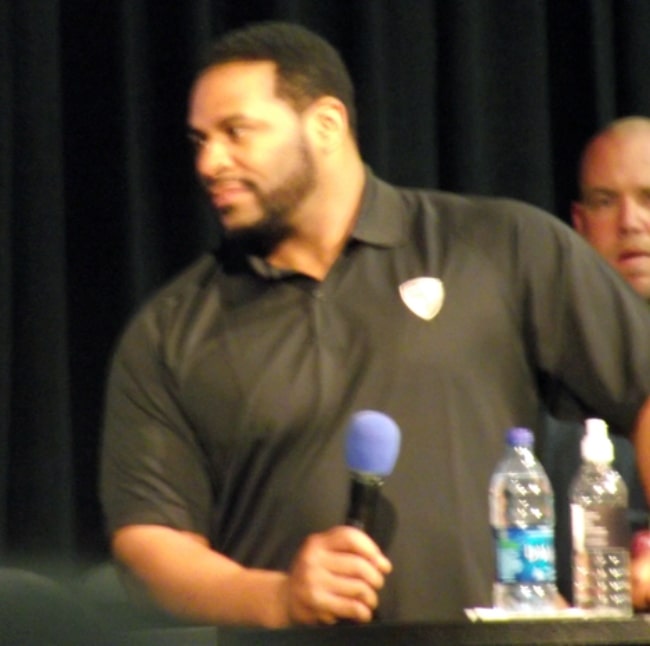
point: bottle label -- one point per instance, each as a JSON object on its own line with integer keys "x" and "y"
{"x": 601, "y": 567}
{"x": 599, "y": 526}
{"x": 525, "y": 555}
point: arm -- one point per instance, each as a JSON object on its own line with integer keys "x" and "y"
{"x": 335, "y": 575}
{"x": 170, "y": 445}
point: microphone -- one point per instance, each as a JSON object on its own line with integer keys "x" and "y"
{"x": 371, "y": 450}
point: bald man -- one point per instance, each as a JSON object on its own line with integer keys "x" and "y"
{"x": 613, "y": 213}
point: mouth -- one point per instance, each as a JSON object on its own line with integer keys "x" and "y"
{"x": 225, "y": 193}
{"x": 631, "y": 254}
{"x": 631, "y": 258}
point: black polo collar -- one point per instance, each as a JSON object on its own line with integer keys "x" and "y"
{"x": 381, "y": 222}
{"x": 381, "y": 218}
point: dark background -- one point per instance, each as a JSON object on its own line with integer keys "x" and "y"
{"x": 98, "y": 203}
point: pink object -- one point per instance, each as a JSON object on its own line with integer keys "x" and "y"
{"x": 640, "y": 543}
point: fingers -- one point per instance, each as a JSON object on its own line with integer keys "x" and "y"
{"x": 329, "y": 606}
{"x": 336, "y": 575}
{"x": 351, "y": 540}
{"x": 349, "y": 571}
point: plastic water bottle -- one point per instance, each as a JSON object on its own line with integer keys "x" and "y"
{"x": 522, "y": 517}
{"x": 599, "y": 527}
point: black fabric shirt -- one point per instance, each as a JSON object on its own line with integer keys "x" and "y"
{"x": 231, "y": 389}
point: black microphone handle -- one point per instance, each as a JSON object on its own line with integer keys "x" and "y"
{"x": 364, "y": 494}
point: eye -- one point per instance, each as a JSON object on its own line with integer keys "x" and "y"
{"x": 236, "y": 132}
{"x": 600, "y": 201}
{"x": 604, "y": 201}
{"x": 197, "y": 141}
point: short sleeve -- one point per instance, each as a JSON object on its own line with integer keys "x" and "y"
{"x": 152, "y": 468}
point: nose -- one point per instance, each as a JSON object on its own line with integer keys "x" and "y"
{"x": 633, "y": 216}
{"x": 212, "y": 158}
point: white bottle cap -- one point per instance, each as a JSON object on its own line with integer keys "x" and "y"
{"x": 596, "y": 445}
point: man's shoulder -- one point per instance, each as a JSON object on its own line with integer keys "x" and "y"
{"x": 196, "y": 276}
{"x": 468, "y": 205}
{"x": 458, "y": 205}
{"x": 188, "y": 286}
{"x": 472, "y": 215}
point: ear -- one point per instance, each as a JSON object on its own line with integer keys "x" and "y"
{"x": 328, "y": 122}
{"x": 578, "y": 217}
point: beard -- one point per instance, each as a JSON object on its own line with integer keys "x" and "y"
{"x": 277, "y": 206}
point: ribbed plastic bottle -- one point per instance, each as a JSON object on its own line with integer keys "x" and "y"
{"x": 599, "y": 528}
{"x": 522, "y": 517}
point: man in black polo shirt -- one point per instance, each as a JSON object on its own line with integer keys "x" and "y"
{"x": 223, "y": 476}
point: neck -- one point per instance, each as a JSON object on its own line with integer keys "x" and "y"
{"x": 323, "y": 224}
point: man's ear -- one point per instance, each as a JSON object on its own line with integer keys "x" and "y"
{"x": 328, "y": 122}
{"x": 578, "y": 216}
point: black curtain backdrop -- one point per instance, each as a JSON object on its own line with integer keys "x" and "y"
{"x": 99, "y": 205}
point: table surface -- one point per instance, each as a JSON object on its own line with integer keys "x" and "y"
{"x": 570, "y": 632}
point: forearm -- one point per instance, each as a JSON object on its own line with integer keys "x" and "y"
{"x": 183, "y": 575}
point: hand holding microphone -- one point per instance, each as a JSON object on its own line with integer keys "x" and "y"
{"x": 337, "y": 574}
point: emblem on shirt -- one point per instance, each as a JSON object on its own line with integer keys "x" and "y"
{"x": 423, "y": 296}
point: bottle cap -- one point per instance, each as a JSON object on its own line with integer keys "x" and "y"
{"x": 520, "y": 436}
{"x": 596, "y": 445}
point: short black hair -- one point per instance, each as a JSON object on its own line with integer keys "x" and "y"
{"x": 308, "y": 67}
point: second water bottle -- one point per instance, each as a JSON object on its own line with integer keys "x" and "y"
{"x": 601, "y": 535}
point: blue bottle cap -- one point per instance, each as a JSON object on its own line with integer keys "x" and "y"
{"x": 520, "y": 436}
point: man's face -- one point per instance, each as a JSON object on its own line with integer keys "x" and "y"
{"x": 252, "y": 152}
{"x": 614, "y": 213}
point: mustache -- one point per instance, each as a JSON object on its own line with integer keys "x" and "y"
{"x": 214, "y": 183}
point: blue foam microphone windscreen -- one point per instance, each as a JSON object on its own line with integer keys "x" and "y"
{"x": 372, "y": 443}
{"x": 371, "y": 450}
